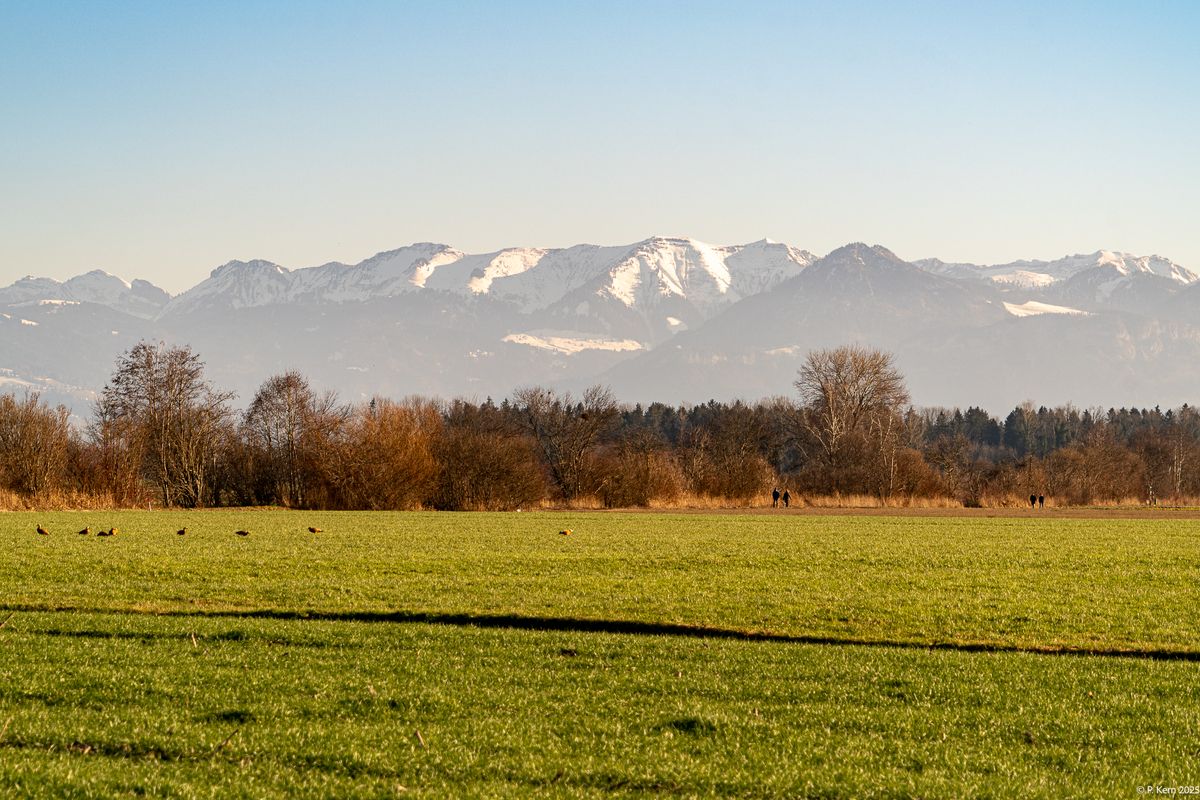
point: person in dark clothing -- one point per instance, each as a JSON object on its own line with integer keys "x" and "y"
{"x": 775, "y": 497}
{"x": 787, "y": 498}
{"x": 1041, "y": 501}
{"x": 1033, "y": 501}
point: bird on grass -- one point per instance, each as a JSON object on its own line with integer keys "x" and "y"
{"x": 42, "y": 531}
{"x": 181, "y": 531}
{"x": 86, "y": 532}
{"x": 565, "y": 532}
{"x": 113, "y": 531}
{"x": 241, "y": 533}
{"x": 103, "y": 532}
{"x": 315, "y": 530}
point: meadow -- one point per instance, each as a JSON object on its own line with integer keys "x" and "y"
{"x": 645, "y": 653}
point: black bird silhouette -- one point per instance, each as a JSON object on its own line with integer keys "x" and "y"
{"x": 315, "y": 530}
{"x": 241, "y": 533}
{"x": 43, "y": 531}
{"x": 85, "y": 532}
{"x": 181, "y": 531}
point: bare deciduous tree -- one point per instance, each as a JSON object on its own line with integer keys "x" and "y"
{"x": 1185, "y": 451}
{"x": 289, "y": 426}
{"x": 113, "y": 455}
{"x": 159, "y": 410}
{"x": 723, "y": 458}
{"x": 567, "y": 431}
{"x": 488, "y": 463}
{"x": 1096, "y": 469}
{"x": 853, "y": 398}
{"x": 35, "y": 442}
{"x": 640, "y": 469}
{"x": 384, "y": 456}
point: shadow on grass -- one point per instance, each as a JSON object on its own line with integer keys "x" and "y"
{"x": 631, "y": 627}
{"x": 147, "y": 638}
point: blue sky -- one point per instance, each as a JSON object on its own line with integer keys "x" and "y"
{"x": 159, "y": 140}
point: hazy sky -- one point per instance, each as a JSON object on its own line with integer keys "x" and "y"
{"x": 161, "y": 139}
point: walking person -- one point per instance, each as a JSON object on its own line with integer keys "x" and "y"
{"x": 775, "y": 497}
{"x": 1041, "y": 501}
{"x": 787, "y": 498}
{"x": 1033, "y": 501}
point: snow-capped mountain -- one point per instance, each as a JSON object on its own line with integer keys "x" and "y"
{"x": 659, "y": 287}
{"x": 140, "y": 298}
{"x": 250, "y": 284}
{"x": 637, "y": 276}
{"x": 584, "y": 297}
{"x": 958, "y": 341}
{"x": 1039, "y": 274}
{"x": 671, "y": 319}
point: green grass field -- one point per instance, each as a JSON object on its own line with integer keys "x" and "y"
{"x": 684, "y": 655}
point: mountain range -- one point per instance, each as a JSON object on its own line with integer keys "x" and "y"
{"x": 669, "y": 319}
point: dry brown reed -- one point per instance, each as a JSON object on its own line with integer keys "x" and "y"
{"x": 58, "y": 500}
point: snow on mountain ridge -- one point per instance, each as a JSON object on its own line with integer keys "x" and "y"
{"x": 637, "y": 276}
{"x": 475, "y": 274}
{"x": 662, "y": 267}
{"x": 98, "y": 280}
{"x": 456, "y": 323}
{"x": 1031, "y": 274}
{"x": 247, "y": 284}
{"x": 506, "y": 264}
{"x": 658, "y": 272}
{"x": 707, "y": 276}
{"x": 141, "y": 298}
{"x": 242, "y": 283}
{"x": 760, "y": 265}
{"x": 1033, "y": 308}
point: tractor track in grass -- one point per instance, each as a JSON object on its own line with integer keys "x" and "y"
{"x": 610, "y": 626}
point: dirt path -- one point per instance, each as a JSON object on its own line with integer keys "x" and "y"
{"x": 1092, "y": 512}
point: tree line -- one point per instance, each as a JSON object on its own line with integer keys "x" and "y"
{"x": 161, "y": 433}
